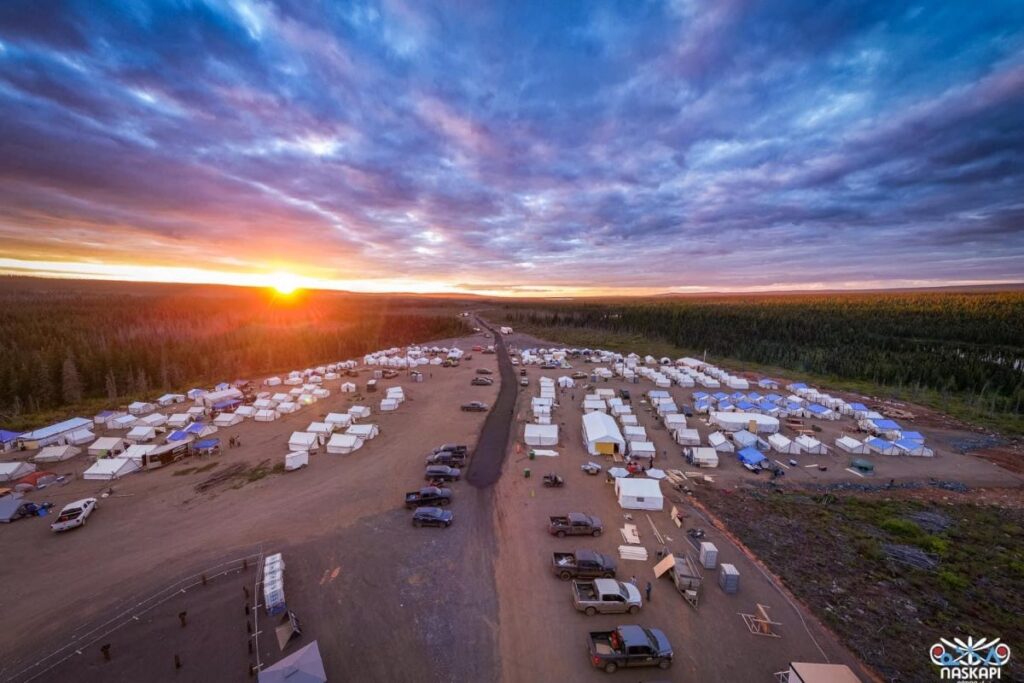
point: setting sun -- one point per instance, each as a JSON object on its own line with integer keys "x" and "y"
{"x": 284, "y": 283}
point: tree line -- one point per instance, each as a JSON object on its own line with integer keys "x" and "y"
{"x": 64, "y": 342}
{"x": 968, "y": 344}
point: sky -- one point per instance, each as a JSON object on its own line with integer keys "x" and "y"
{"x": 519, "y": 148}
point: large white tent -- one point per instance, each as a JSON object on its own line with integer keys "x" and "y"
{"x": 9, "y": 471}
{"x": 541, "y": 435}
{"x": 106, "y": 445}
{"x": 344, "y": 444}
{"x": 601, "y": 434}
{"x": 107, "y": 469}
{"x": 302, "y": 441}
{"x": 851, "y": 445}
{"x": 364, "y": 431}
{"x": 338, "y": 420}
{"x": 56, "y": 453}
{"x": 639, "y": 494}
{"x": 687, "y": 437}
{"x": 782, "y": 444}
{"x": 734, "y": 422}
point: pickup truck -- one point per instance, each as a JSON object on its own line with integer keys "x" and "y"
{"x": 429, "y": 495}
{"x": 575, "y": 524}
{"x": 606, "y": 596}
{"x": 74, "y": 514}
{"x": 629, "y": 646}
{"x": 447, "y": 458}
{"x": 453, "y": 447}
{"x": 582, "y": 564}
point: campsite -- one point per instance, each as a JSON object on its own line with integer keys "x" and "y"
{"x": 350, "y": 463}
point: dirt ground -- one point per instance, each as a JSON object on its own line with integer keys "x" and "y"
{"x": 473, "y": 602}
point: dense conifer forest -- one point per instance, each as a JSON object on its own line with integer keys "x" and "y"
{"x": 66, "y": 342}
{"x": 963, "y": 346}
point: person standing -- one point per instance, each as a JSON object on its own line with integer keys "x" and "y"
{"x": 647, "y": 589}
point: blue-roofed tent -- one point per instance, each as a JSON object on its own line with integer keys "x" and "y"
{"x": 206, "y": 446}
{"x": 886, "y": 425}
{"x": 857, "y": 406}
{"x": 881, "y": 446}
{"x": 698, "y": 395}
{"x": 797, "y": 386}
{"x": 754, "y": 396}
{"x": 820, "y": 411}
{"x": 746, "y": 406}
{"x": 794, "y": 407}
{"x": 767, "y": 383}
{"x": 750, "y": 456}
{"x": 912, "y": 436}
{"x": 767, "y": 407}
{"x": 7, "y": 439}
{"x": 737, "y": 396}
{"x": 774, "y": 398}
{"x": 720, "y": 395}
{"x": 724, "y": 406}
{"x": 226, "y": 404}
{"x": 46, "y": 436}
{"x": 913, "y": 447}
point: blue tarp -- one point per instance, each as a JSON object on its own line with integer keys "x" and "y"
{"x": 746, "y": 406}
{"x": 793, "y": 407}
{"x": 750, "y": 456}
{"x": 719, "y": 395}
{"x": 7, "y": 437}
{"x": 724, "y": 405}
{"x": 798, "y": 385}
{"x": 880, "y": 444}
{"x": 774, "y": 398}
{"x": 226, "y": 403}
{"x": 909, "y": 444}
{"x": 818, "y": 410}
{"x": 767, "y": 383}
{"x": 754, "y": 396}
{"x": 206, "y": 444}
{"x": 181, "y": 434}
{"x": 858, "y": 406}
{"x": 767, "y": 406}
{"x": 658, "y": 393}
{"x": 912, "y": 436}
{"x": 59, "y": 428}
{"x": 886, "y": 424}
{"x": 698, "y": 395}
{"x": 738, "y": 396}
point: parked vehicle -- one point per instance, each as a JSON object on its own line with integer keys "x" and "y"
{"x": 432, "y": 516}
{"x": 624, "y": 394}
{"x": 591, "y": 468}
{"x": 452, "y": 447}
{"x": 474, "y": 407}
{"x": 515, "y": 361}
{"x": 553, "y": 481}
{"x": 481, "y": 381}
{"x": 428, "y": 496}
{"x": 575, "y": 524}
{"x": 447, "y": 458}
{"x": 74, "y": 514}
{"x": 579, "y": 375}
{"x": 442, "y": 473}
{"x": 582, "y": 564}
{"x": 483, "y": 371}
{"x": 629, "y": 646}
{"x": 524, "y": 381}
{"x": 605, "y": 596}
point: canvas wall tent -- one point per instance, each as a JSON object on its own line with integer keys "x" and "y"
{"x": 195, "y": 394}
{"x": 138, "y": 453}
{"x": 721, "y": 444}
{"x": 295, "y": 460}
{"x": 348, "y": 388}
{"x": 323, "y": 429}
{"x": 54, "y": 434}
{"x": 303, "y": 441}
{"x": 686, "y": 437}
{"x": 339, "y": 420}
{"x": 56, "y": 454}
{"x": 80, "y": 437}
{"x": 343, "y": 444}
{"x": 881, "y": 446}
{"x": 743, "y": 439}
{"x": 628, "y": 420}
{"x": 641, "y": 450}
{"x": 851, "y": 445}
{"x": 227, "y": 420}
{"x": 224, "y": 397}
{"x": 594, "y": 405}
{"x": 179, "y": 420}
{"x": 170, "y": 399}
{"x": 622, "y": 410}
{"x": 388, "y": 405}
{"x": 820, "y": 412}
{"x": 540, "y": 435}
{"x": 108, "y": 469}
{"x": 675, "y": 421}
{"x": 601, "y": 435}
{"x": 140, "y": 434}
{"x": 634, "y": 433}
{"x": 152, "y": 420}
{"x": 266, "y": 415}
{"x": 123, "y": 422}
{"x": 733, "y": 422}
{"x": 783, "y": 445}
{"x": 9, "y": 471}
{"x": 7, "y": 440}
{"x": 245, "y": 412}
{"x": 107, "y": 446}
{"x": 196, "y": 430}
{"x": 913, "y": 447}
{"x": 639, "y": 494}
{"x": 703, "y": 457}
{"x": 264, "y": 404}
{"x": 196, "y": 412}
{"x": 364, "y": 431}
{"x": 887, "y": 428}
{"x": 104, "y": 416}
{"x": 542, "y": 411}
{"x": 566, "y": 382}
{"x": 359, "y": 412}
{"x": 287, "y": 407}
{"x": 140, "y": 408}
{"x": 280, "y": 398}
{"x": 810, "y": 445}
{"x": 306, "y": 400}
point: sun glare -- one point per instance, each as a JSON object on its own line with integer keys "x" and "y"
{"x": 284, "y": 283}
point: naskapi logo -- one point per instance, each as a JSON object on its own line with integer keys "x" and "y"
{"x": 971, "y": 660}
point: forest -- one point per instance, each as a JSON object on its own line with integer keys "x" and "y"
{"x": 962, "y": 348}
{"x": 70, "y": 344}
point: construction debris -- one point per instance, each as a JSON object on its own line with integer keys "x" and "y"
{"x": 760, "y": 624}
{"x": 632, "y": 552}
{"x": 630, "y": 534}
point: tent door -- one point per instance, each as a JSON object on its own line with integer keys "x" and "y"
{"x": 607, "y": 448}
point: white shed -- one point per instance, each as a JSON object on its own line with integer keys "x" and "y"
{"x": 541, "y": 435}
{"x": 639, "y": 494}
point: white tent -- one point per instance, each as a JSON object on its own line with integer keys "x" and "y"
{"x": 594, "y": 404}
{"x": 168, "y": 399}
{"x": 153, "y": 420}
{"x": 287, "y": 407}
{"x": 344, "y": 444}
{"x": 196, "y": 411}
{"x": 266, "y": 415}
{"x": 321, "y": 428}
{"x": 639, "y": 494}
{"x": 628, "y": 420}
{"x": 138, "y": 453}
{"x": 675, "y": 421}
{"x": 718, "y": 441}
{"x": 634, "y": 433}
{"x": 295, "y": 460}
{"x": 642, "y": 449}
{"x": 541, "y": 435}
{"x": 348, "y": 388}
{"x": 264, "y": 404}
{"x": 359, "y": 412}
{"x": 339, "y": 420}
{"x": 246, "y": 411}
{"x": 140, "y": 408}
{"x": 733, "y": 422}
{"x": 601, "y": 434}
{"x": 810, "y": 445}
{"x": 122, "y": 422}
{"x": 272, "y": 381}
{"x": 227, "y": 419}
{"x": 364, "y": 431}
{"x": 783, "y": 445}
{"x": 303, "y": 441}
{"x": 56, "y": 454}
{"x": 704, "y": 457}
{"x": 141, "y": 434}
{"x": 388, "y": 405}
{"x": 687, "y": 437}
{"x": 82, "y": 436}
{"x": 106, "y": 445}
{"x": 851, "y": 445}
{"x": 9, "y": 471}
{"x": 179, "y": 420}
{"x": 107, "y": 469}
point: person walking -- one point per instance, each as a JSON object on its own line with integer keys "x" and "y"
{"x": 647, "y": 589}
{"x": 632, "y": 580}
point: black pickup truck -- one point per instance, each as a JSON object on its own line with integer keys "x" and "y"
{"x": 447, "y": 458}
{"x": 429, "y": 495}
{"x": 575, "y": 524}
{"x": 582, "y": 564}
{"x": 629, "y": 646}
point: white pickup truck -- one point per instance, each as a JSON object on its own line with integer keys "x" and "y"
{"x": 605, "y": 596}
{"x": 74, "y": 514}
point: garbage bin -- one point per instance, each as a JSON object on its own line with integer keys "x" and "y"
{"x": 526, "y": 472}
{"x": 533, "y": 456}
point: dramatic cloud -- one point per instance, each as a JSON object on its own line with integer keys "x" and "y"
{"x": 515, "y": 147}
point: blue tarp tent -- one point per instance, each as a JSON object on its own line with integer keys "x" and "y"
{"x": 912, "y": 436}
{"x": 754, "y": 396}
{"x": 886, "y": 425}
{"x": 857, "y": 407}
{"x": 193, "y": 428}
{"x": 750, "y": 456}
{"x": 658, "y": 393}
{"x": 698, "y": 395}
{"x": 226, "y": 404}
{"x": 817, "y": 409}
{"x": 719, "y": 395}
{"x": 797, "y": 386}
{"x": 767, "y": 383}
{"x": 206, "y": 445}
{"x": 746, "y": 406}
{"x": 7, "y": 437}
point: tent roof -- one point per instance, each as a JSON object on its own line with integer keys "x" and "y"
{"x": 598, "y": 425}
{"x": 106, "y": 442}
{"x": 302, "y": 666}
{"x": 644, "y": 488}
{"x": 542, "y": 430}
{"x": 750, "y": 456}
{"x": 886, "y": 424}
{"x": 59, "y": 428}
{"x": 7, "y": 437}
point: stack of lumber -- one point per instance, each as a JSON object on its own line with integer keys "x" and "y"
{"x": 632, "y": 552}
